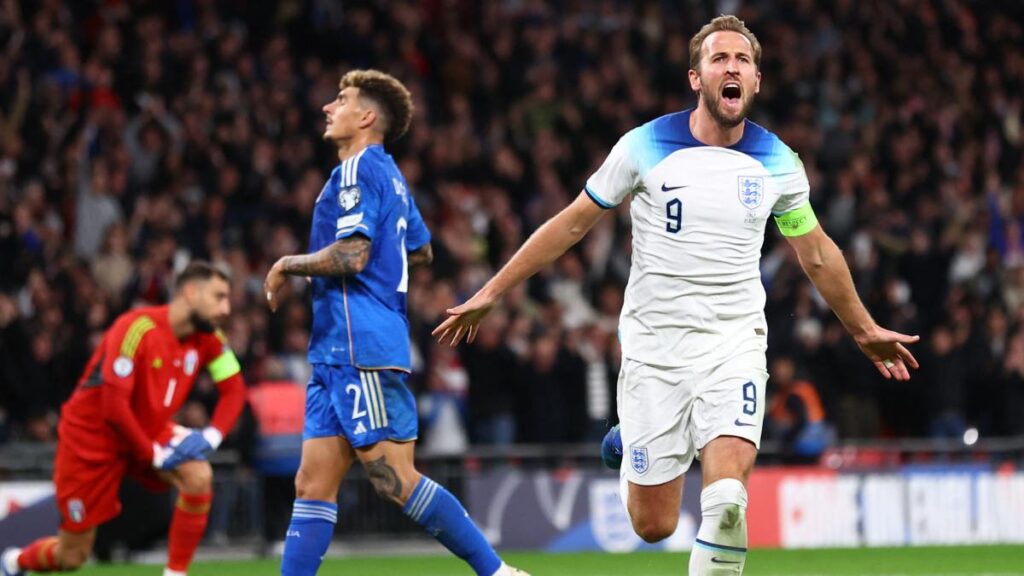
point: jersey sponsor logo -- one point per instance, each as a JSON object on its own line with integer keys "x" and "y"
{"x": 191, "y": 359}
{"x": 638, "y": 459}
{"x": 76, "y": 510}
{"x": 751, "y": 191}
{"x": 123, "y": 366}
{"x": 739, "y": 422}
{"x": 349, "y": 197}
{"x": 666, "y": 188}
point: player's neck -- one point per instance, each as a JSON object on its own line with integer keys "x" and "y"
{"x": 708, "y": 131}
{"x": 352, "y": 146}
{"x": 178, "y": 318}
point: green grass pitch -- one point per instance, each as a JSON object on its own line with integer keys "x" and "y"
{"x": 945, "y": 561}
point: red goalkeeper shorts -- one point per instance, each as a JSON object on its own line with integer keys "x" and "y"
{"x": 87, "y": 490}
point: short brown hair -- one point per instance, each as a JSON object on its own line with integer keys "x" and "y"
{"x": 390, "y": 95}
{"x": 723, "y": 23}
{"x": 201, "y": 270}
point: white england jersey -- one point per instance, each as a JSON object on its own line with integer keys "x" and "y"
{"x": 699, "y": 213}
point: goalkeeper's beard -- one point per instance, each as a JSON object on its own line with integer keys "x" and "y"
{"x": 201, "y": 324}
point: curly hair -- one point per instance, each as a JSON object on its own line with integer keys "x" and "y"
{"x": 723, "y": 23}
{"x": 390, "y": 96}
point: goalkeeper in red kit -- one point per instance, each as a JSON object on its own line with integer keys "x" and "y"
{"x": 119, "y": 422}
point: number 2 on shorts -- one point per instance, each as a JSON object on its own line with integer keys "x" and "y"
{"x": 749, "y": 399}
{"x": 357, "y": 412}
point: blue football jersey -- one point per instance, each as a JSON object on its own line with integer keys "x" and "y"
{"x": 360, "y": 320}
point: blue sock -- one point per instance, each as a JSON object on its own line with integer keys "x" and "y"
{"x": 440, "y": 514}
{"x": 308, "y": 537}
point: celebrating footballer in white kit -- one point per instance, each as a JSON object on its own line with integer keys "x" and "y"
{"x": 703, "y": 184}
{"x": 692, "y": 323}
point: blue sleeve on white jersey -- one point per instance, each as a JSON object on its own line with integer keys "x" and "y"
{"x": 417, "y": 235}
{"x": 358, "y": 199}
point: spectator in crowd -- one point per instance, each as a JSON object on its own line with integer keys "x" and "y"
{"x": 552, "y": 389}
{"x": 948, "y": 374}
{"x": 491, "y": 366}
{"x": 136, "y": 135}
{"x": 795, "y": 414}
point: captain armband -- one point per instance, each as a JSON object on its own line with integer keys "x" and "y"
{"x": 224, "y": 366}
{"x": 797, "y": 222}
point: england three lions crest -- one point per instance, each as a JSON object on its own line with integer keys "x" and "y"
{"x": 751, "y": 191}
{"x": 638, "y": 459}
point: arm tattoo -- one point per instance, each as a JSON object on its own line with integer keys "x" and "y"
{"x": 384, "y": 479}
{"x": 342, "y": 258}
{"x": 421, "y": 256}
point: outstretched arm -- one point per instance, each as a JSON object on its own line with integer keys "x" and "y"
{"x": 345, "y": 257}
{"x": 824, "y": 264}
{"x": 549, "y": 242}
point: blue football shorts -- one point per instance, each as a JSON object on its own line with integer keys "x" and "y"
{"x": 364, "y": 406}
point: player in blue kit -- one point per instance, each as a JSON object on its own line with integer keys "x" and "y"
{"x": 366, "y": 234}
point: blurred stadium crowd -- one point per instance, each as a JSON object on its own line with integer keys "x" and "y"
{"x": 136, "y": 135}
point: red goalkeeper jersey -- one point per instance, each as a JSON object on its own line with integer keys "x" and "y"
{"x": 137, "y": 379}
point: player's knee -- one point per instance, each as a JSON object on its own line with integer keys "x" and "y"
{"x": 72, "y": 558}
{"x": 728, "y": 457}
{"x": 653, "y": 528}
{"x": 310, "y": 486}
{"x": 196, "y": 477}
{"x": 304, "y": 484}
{"x": 652, "y": 532}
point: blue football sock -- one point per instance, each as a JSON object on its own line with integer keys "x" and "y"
{"x": 308, "y": 537}
{"x": 440, "y": 514}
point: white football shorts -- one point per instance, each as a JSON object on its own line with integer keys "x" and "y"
{"x": 667, "y": 415}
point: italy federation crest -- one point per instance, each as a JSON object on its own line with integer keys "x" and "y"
{"x": 76, "y": 510}
{"x": 638, "y": 459}
{"x": 751, "y": 191}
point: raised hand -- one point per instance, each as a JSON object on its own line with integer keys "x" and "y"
{"x": 275, "y": 280}
{"x": 886, "y": 350}
{"x": 464, "y": 320}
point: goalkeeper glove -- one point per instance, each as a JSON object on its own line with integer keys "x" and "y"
{"x": 197, "y": 444}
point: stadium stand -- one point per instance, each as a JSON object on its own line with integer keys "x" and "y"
{"x": 137, "y": 135}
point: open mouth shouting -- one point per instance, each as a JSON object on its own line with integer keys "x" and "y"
{"x": 732, "y": 95}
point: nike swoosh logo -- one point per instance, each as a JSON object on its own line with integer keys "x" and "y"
{"x": 665, "y": 188}
{"x": 718, "y": 560}
{"x": 738, "y": 422}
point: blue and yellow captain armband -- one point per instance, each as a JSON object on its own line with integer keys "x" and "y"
{"x": 797, "y": 222}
